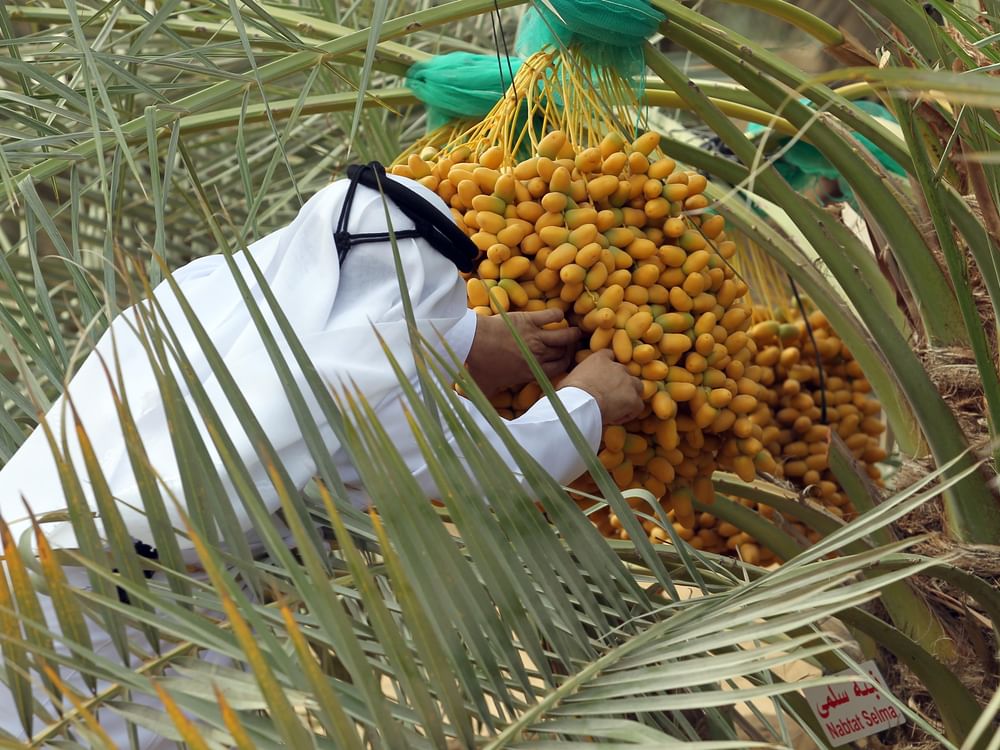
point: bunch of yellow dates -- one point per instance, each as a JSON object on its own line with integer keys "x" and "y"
{"x": 803, "y": 400}
{"x": 622, "y": 241}
{"x": 810, "y": 395}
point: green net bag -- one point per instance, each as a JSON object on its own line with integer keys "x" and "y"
{"x": 460, "y": 85}
{"x": 611, "y": 31}
{"x": 803, "y": 165}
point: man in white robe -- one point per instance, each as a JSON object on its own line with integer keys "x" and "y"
{"x": 335, "y": 309}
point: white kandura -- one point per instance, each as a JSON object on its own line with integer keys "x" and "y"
{"x": 335, "y": 312}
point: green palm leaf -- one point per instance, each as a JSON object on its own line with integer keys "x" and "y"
{"x": 485, "y": 622}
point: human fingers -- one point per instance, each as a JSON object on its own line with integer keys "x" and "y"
{"x": 544, "y": 317}
{"x": 555, "y": 353}
{"x": 557, "y": 366}
{"x": 626, "y": 406}
{"x": 560, "y": 337}
{"x": 627, "y": 390}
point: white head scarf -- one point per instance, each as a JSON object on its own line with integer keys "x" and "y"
{"x": 332, "y": 309}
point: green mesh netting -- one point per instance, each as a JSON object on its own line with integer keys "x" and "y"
{"x": 610, "y": 31}
{"x": 460, "y": 85}
{"x": 803, "y": 165}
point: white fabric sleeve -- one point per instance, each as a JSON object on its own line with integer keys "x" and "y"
{"x": 541, "y": 434}
{"x": 462, "y": 334}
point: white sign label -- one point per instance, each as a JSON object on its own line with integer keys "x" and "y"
{"x": 852, "y": 710}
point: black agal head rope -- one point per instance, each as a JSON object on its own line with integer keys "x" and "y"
{"x": 428, "y": 221}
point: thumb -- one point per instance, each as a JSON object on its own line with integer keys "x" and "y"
{"x": 546, "y": 316}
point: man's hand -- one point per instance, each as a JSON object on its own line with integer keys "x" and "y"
{"x": 618, "y": 394}
{"x": 495, "y": 361}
